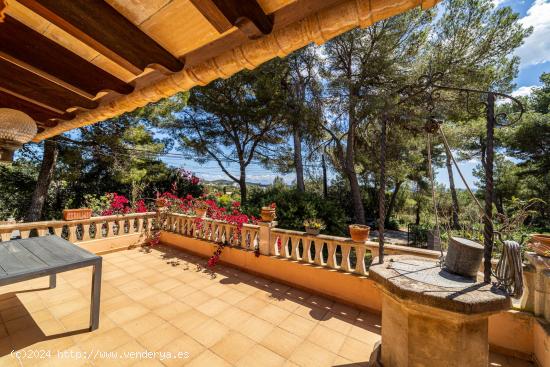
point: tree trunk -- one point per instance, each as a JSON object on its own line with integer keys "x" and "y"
{"x": 45, "y": 176}
{"x": 393, "y": 198}
{"x": 297, "y": 138}
{"x": 454, "y": 197}
{"x": 417, "y": 220}
{"x": 382, "y": 193}
{"x": 242, "y": 185}
{"x": 357, "y": 200}
{"x": 325, "y": 180}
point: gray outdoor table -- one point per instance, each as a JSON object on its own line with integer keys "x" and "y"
{"x": 40, "y": 256}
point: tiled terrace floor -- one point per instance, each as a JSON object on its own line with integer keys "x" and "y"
{"x": 162, "y": 301}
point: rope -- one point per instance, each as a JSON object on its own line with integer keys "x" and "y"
{"x": 509, "y": 270}
{"x": 433, "y": 195}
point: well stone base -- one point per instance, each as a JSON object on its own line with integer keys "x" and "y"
{"x": 417, "y": 335}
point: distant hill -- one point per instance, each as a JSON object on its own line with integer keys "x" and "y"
{"x": 231, "y": 183}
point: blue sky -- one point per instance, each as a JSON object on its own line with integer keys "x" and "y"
{"x": 535, "y": 59}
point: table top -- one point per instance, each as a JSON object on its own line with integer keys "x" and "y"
{"x": 423, "y": 281}
{"x": 37, "y": 256}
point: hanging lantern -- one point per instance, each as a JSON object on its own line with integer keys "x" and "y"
{"x": 16, "y": 129}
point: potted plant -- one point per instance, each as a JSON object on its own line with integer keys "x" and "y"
{"x": 161, "y": 202}
{"x": 77, "y": 214}
{"x": 359, "y": 232}
{"x": 314, "y": 225}
{"x": 268, "y": 213}
{"x": 201, "y": 208}
{"x": 540, "y": 243}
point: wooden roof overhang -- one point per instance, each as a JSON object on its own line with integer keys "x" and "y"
{"x": 71, "y": 63}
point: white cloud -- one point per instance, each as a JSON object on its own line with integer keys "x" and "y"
{"x": 523, "y": 91}
{"x": 536, "y": 49}
{"x": 498, "y": 2}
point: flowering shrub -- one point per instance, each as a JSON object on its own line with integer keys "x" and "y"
{"x": 113, "y": 204}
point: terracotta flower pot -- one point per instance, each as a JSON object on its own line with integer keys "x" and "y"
{"x": 359, "y": 232}
{"x": 161, "y": 202}
{"x": 313, "y": 231}
{"x": 201, "y": 212}
{"x": 540, "y": 243}
{"x": 268, "y": 214}
{"x": 77, "y": 214}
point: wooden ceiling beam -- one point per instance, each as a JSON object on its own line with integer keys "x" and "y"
{"x": 21, "y": 43}
{"x": 23, "y": 82}
{"x": 101, "y": 27}
{"x": 37, "y": 112}
{"x": 247, "y": 15}
{"x": 282, "y": 18}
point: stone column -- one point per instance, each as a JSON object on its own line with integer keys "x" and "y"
{"x": 431, "y": 317}
{"x": 265, "y": 237}
{"x": 539, "y": 292}
{"x": 420, "y": 335}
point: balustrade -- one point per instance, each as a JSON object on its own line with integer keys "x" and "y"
{"x": 82, "y": 230}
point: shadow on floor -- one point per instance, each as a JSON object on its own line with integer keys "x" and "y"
{"x": 321, "y": 308}
{"x": 18, "y": 328}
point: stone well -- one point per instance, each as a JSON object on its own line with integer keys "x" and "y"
{"x": 431, "y": 317}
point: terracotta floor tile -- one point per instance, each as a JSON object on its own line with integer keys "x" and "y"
{"x": 233, "y": 317}
{"x": 127, "y": 313}
{"x": 261, "y": 356}
{"x": 310, "y": 312}
{"x": 273, "y": 314}
{"x": 213, "y": 307}
{"x": 336, "y": 323}
{"x": 232, "y": 296}
{"x": 209, "y": 333}
{"x": 167, "y": 284}
{"x": 282, "y": 342}
{"x": 183, "y": 346}
{"x": 345, "y": 311}
{"x": 159, "y": 336}
{"x": 141, "y": 325}
{"x": 171, "y": 310}
{"x": 106, "y": 341}
{"x": 298, "y": 325}
{"x": 208, "y": 359}
{"x": 326, "y": 338}
{"x": 157, "y": 300}
{"x": 189, "y": 319}
{"x": 255, "y": 328}
{"x": 216, "y": 290}
{"x": 355, "y": 351}
{"x": 233, "y": 347}
{"x": 252, "y": 304}
{"x": 196, "y": 299}
{"x": 181, "y": 292}
{"x": 310, "y": 355}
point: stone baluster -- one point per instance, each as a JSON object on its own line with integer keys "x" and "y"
{"x": 331, "y": 258}
{"x": 295, "y": 252}
{"x": 360, "y": 267}
{"x": 85, "y": 231}
{"x": 24, "y": 233}
{"x": 5, "y": 236}
{"x": 346, "y": 250}
{"x": 139, "y": 225}
{"x": 71, "y": 232}
{"x": 306, "y": 245}
{"x": 318, "y": 259}
{"x": 58, "y": 230}
{"x": 42, "y": 231}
